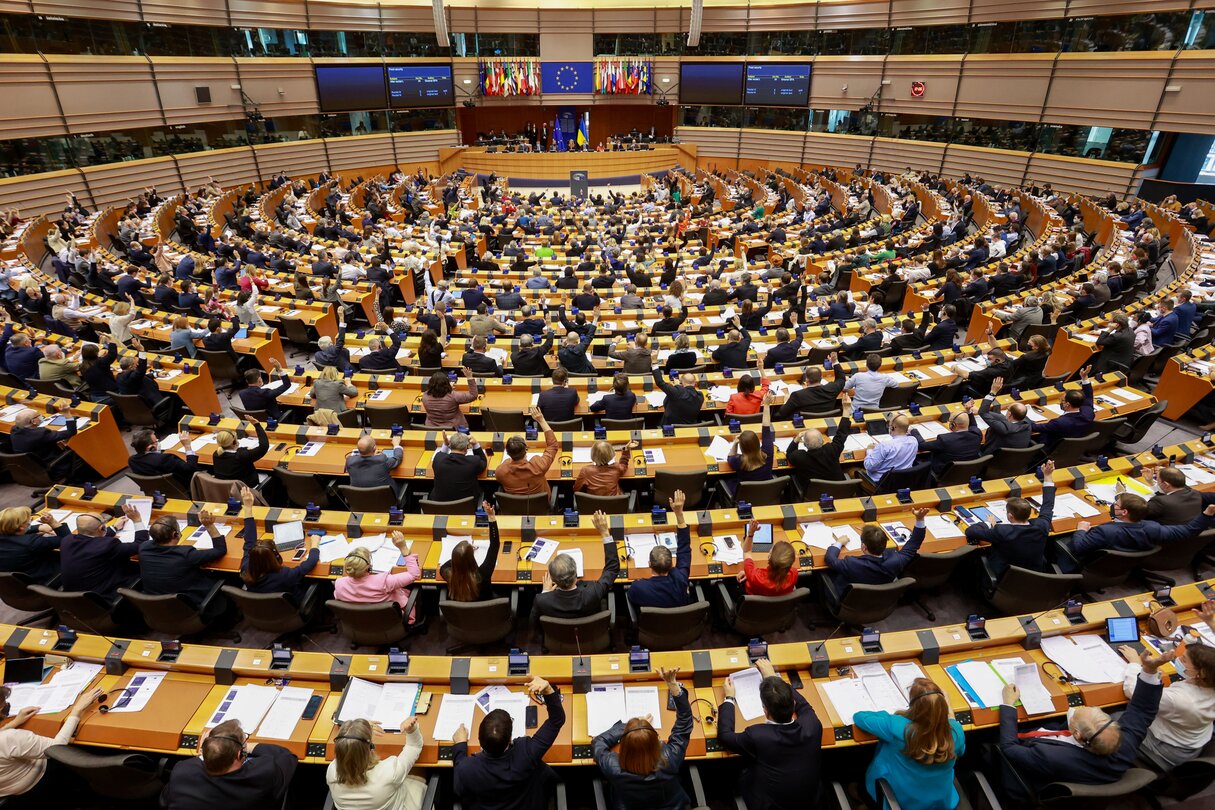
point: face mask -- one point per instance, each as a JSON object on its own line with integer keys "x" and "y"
{"x": 1179, "y": 665}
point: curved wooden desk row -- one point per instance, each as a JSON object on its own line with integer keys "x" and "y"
{"x": 687, "y": 450}
{"x": 199, "y": 682}
{"x": 98, "y": 441}
{"x": 1187, "y": 381}
{"x": 788, "y": 521}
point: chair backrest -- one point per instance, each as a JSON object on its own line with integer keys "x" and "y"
{"x": 302, "y": 489}
{"x": 1177, "y": 554}
{"x": 762, "y": 615}
{"x": 208, "y": 488}
{"x": 82, "y": 611}
{"x": 1144, "y": 422}
{"x": 917, "y": 476}
{"x": 134, "y": 410}
{"x": 866, "y": 604}
{"x": 1023, "y": 591}
{"x": 385, "y": 416}
{"x": 15, "y": 591}
{"x": 746, "y": 418}
{"x": 352, "y": 418}
{"x": 1070, "y": 451}
{"x": 567, "y": 425}
{"x": 295, "y": 330}
{"x": 827, "y": 414}
{"x": 692, "y": 483}
{"x": 672, "y": 628}
{"x": 375, "y": 624}
{"x": 611, "y": 504}
{"x": 1140, "y": 367}
{"x": 960, "y": 472}
{"x": 1013, "y": 461}
{"x": 269, "y": 612}
{"x": 463, "y": 506}
{"x": 1110, "y": 567}
{"x": 589, "y": 634}
{"x": 476, "y": 623}
{"x": 898, "y": 396}
{"x": 368, "y": 499}
{"x": 167, "y": 613}
{"x": 847, "y": 488}
{"x": 221, "y": 364}
{"x": 500, "y": 421}
{"x": 536, "y": 504}
{"x": 247, "y": 416}
{"x": 129, "y": 776}
{"x": 930, "y": 569}
{"x": 624, "y": 424}
{"x": 51, "y": 388}
{"x": 762, "y": 493}
{"x": 166, "y": 484}
{"x": 25, "y": 470}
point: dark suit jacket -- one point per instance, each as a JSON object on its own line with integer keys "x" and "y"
{"x": 558, "y": 404}
{"x": 960, "y": 445}
{"x": 825, "y": 461}
{"x": 178, "y": 569}
{"x": 158, "y": 463}
{"x": 97, "y": 564}
{"x": 1039, "y": 761}
{"x": 1118, "y": 347}
{"x": 867, "y": 569}
{"x": 1178, "y": 506}
{"x": 1001, "y": 432}
{"x": 682, "y": 406}
{"x": 519, "y": 779}
{"x": 1069, "y": 425}
{"x": 822, "y": 397}
{"x": 481, "y": 363}
{"x": 783, "y": 760}
{"x": 260, "y": 782}
{"x": 585, "y": 598}
{"x": 733, "y": 355}
{"x": 457, "y": 476}
{"x": 1020, "y": 545}
{"x": 532, "y": 361}
{"x": 863, "y": 346}
{"x": 34, "y": 554}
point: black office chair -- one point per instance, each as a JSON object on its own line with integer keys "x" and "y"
{"x": 130, "y": 777}
{"x": 380, "y": 417}
{"x": 864, "y": 605}
{"x": 670, "y": 628}
{"x": 462, "y": 506}
{"x": 1013, "y": 461}
{"x": 370, "y": 499}
{"x": 917, "y": 476}
{"x": 15, "y": 591}
{"x": 540, "y": 503}
{"x": 623, "y": 504}
{"x": 960, "y": 472}
{"x": 172, "y": 615}
{"x": 931, "y": 570}
{"x": 303, "y": 489}
{"x": 1022, "y": 591}
{"x": 502, "y": 421}
{"x": 166, "y": 484}
{"x": 275, "y": 612}
{"x": 83, "y": 611}
{"x": 755, "y": 616}
{"x": 377, "y": 625}
{"x": 587, "y": 634}
{"x": 692, "y": 483}
{"x": 479, "y": 624}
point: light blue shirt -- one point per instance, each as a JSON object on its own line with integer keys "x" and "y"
{"x": 182, "y": 340}
{"x": 869, "y": 386}
{"x": 897, "y": 453}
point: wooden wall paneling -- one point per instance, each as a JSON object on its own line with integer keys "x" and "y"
{"x": 831, "y": 149}
{"x": 102, "y": 93}
{"x": 293, "y": 158}
{"x": 262, "y": 80}
{"x": 939, "y": 75}
{"x": 185, "y": 12}
{"x": 29, "y": 108}
{"x": 268, "y": 14}
{"x": 852, "y": 14}
{"x": 861, "y": 75}
{"x": 1087, "y": 8}
{"x": 1078, "y": 175}
{"x": 928, "y": 12}
{"x": 36, "y": 194}
{"x": 893, "y": 155}
{"x": 126, "y": 10}
{"x": 461, "y": 19}
{"x": 711, "y": 142}
{"x": 633, "y": 21}
{"x": 793, "y": 17}
{"x": 1002, "y": 167}
{"x": 1003, "y": 87}
{"x": 564, "y": 21}
{"x": 988, "y": 11}
{"x": 408, "y": 19}
{"x": 497, "y": 20}
{"x": 229, "y": 167}
{"x": 14, "y": 7}
{"x": 724, "y": 18}
{"x": 360, "y": 152}
{"x": 176, "y": 78}
{"x": 767, "y": 144}
{"x": 1191, "y": 109}
{"x": 117, "y": 183}
{"x": 1114, "y": 89}
{"x": 423, "y": 147}
{"x": 338, "y": 16}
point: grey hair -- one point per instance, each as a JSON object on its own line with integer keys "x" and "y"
{"x": 525, "y": 341}
{"x": 869, "y": 323}
{"x": 563, "y": 570}
{"x": 324, "y": 342}
{"x": 459, "y": 442}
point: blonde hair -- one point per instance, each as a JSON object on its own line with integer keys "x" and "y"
{"x": 225, "y": 439}
{"x": 603, "y": 454}
{"x": 330, "y": 373}
{"x": 358, "y": 563}
{"x": 14, "y": 519}
{"x": 322, "y": 417}
{"x": 181, "y": 322}
{"x": 121, "y": 308}
{"x": 354, "y": 752}
{"x": 681, "y": 341}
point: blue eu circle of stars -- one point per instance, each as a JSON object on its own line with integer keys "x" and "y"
{"x": 565, "y": 82}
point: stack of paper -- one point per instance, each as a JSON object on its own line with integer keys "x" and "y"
{"x": 978, "y": 682}
{"x": 848, "y": 697}
{"x": 905, "y": 674}
{"x": 1034, "y": 696}
{"x": 817, "y": 535}
{"x": 247, "y": 703}
{"x": 449, "y": 543}
{"x": 1087, "y": 658}
{"x": 642, "y": 544}
{"x": 1071, "y": 505}
{"x": 942, "y": 528}
{"x": 881, "y": 688}
{"x": 288, "y": 708}
{"x": 388, "y": 704}
{"x": 611, "y": 703}
{"x": 55, "y": 695}
{"x": 334, "y": 547}
{"x": 719, "y": 449}
{"x": 727, "y": 549}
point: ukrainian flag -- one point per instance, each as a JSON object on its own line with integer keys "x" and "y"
{"x": 584, "y": 129}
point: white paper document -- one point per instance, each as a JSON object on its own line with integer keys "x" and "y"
{"x": 454, "y": 711}
{"x": 248, "y": 704}
{"x": 388, "y": 704}
{"x": 727, "y": 549}
{"x": 605, "y": 706}
{"x": 984, "y": 682}
{"x": 284, "y": 715}
{"x": 1034, "y": 696}
{"x": 848, "y": 697}
{"x": 449, "y": 543}
{"x": 719, "y": 449}
{"x": 1071, "y": 505}
{"x": 1087, "y": 658}
{"x": 542, "y": 550}
{"x": 746, "y": 692}
{"x": 138, "y": 692}
{"x": 942, "y": 528}
{"x": 904, "y": 674}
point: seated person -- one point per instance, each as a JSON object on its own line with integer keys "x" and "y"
{"x": 602, "y": 476}
{"x": 467, "y": 580}
{"x": 367, "y": 467}
{"x": 811, "y": 456}
{"x": 167, "y": 567}
{"x": 564, "y": 596}
{"x": 23, "y": 772}
{"x": 149, "y": 460}
{"x": 778, "y": 578}
{"x": 619, "y": 403}
{"x": 94, "y": 559}
{"x": 667, "y": 587}
{"x": 876, "y": 564}
{"x": 961, "y": 443}
{"x": 359, "y": 584}
{"x": 230, "y": 773}
{"x": 235, "y": 463}
{"x": 257, "y": 397}
{"x": 519, "y": 475}
{"x": 1021, "y": 541}
{"x": 262, "y": 569}
{"x": 28, "y": 549}
{"x": 42, "y": 443}
{"x": 1130, "y": 530}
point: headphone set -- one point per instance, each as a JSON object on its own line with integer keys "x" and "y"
{"x": 924, "y": 695}
{"x": 243, "y": 753}
{"x": 364, "y": 741}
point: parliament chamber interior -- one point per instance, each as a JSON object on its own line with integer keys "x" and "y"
{"x": 754, "y": 405}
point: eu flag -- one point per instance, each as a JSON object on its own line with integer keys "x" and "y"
{"x": 567, "y": 77}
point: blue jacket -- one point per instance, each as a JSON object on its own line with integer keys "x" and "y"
{"x": 21, "y": 361}
{"x": 1185, "y": 317}
{"x": 1069, "y": 425}
{"x": 659, "y": 790}
{"x": 869, "y": 569}
{"x": 1120, "y": 535}
{"x": 671, "y": 590}
{"x": 1165, "y": 329}
{"x": 98, "y": 564}
{"x": 939, "y": 336}
{"x": 179, "y": 569}
{"x": 1015, "y": 544}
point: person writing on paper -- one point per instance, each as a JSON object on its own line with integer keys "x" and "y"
{"x": 230, "y": 773}
{"x": 509, "y": 774}
{"x": 1021, "y": 541}
{"x": 667, "y": 586}
{"x": 466, "y": 580}
{"x": 778, "y": 578}
{"x": 1183, "y": 723}
{"x": 23, "y": 762}
{"x": 645, "y": 773}
{"x": 28, "y": 549}
{"x": 1091, "y": 748}
{"x": 876, "y": 564}
{"x": 167, "y": 567}
{"x": 359, "y": 584}
{"x": 360, "y": 780}
{"x": 783, "y": 754}
{"x": 262, "y": 569}
{"x": 564, "y": 596}
{"x": 812, "y": 456}
{"x": 751, "y": 457}
{"x": 917, "y": 749}
{"x": 602, "y": 476}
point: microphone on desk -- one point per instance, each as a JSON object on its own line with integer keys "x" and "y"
{"x": 820, "y": 664}
{"x": 339, "y": 672}
{"x": 1033, "y": 636}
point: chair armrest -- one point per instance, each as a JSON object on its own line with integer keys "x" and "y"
{"x": 329, "y": 801}
{"x": 611, "y": 600}
{"x": 633, "y": 612}
{"x": 887, "y": 795}
{"x": 430, "y": 799}
{"x": 727, "y": 603}
{"x": 723, "y": 495}
{"x": 514, "y": 603}
{"x": 698, "y": 592}
{"x": 632, "y": 501}
{"x": 411, "y": 603}
{"x": 442, "y": 593}
{"x": 311, "y": 594}
{"x": 553, "y": 494}
{"x": 563, "y": 802}
{"x": 211, "y": 595}
{"x": 698, "y": 788}
{"x": 600, "y": 798}
{"x": 841, "y": 796}
{"x": 984, "y": 796}
{"x": 1063, "y": 552}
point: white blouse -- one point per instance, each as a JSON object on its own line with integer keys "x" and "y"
{"x": 1186, "y": 711}
{"x": 389, "y": 785}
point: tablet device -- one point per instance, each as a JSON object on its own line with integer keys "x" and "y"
{"x": 243, "y": 332}
{"x": 1122, "y": 630}
{"x": 24, "y": 670}
{"x": 287, "y": 535}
